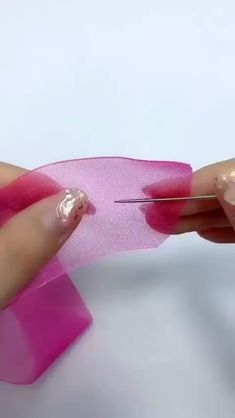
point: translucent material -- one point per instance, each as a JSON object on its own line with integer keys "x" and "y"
{"x": 106, "y": 228}
{"x": 37, "y": 328}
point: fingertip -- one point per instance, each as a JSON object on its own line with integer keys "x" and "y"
{"x": 225, "y": 190}
{"x": 34, "y": 236}
{"x": 218, "y": 236}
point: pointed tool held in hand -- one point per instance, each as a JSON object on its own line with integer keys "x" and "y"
{"x": 166, "y": 199}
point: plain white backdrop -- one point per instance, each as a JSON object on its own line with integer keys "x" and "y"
{"x": 149, "y": 79}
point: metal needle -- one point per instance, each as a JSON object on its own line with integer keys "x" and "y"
{"x": 167, "y": 199}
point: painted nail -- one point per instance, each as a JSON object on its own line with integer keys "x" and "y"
{"x": 65, "y": 211}
{"x": 229, "y": 193}
{"x": 225, "y": 189}
{"x": 72, "y": 206}
{"x": 224, "y": 179}
{"x": 225, "y": 185}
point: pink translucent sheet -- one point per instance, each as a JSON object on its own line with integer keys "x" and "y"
{"x": 27, "y": 346}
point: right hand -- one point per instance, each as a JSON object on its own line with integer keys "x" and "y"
{"x": 212, "y": 220}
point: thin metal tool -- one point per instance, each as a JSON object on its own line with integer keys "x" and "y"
{"x": 167, "y": 199}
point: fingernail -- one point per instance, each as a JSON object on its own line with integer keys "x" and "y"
{"x": 224, "y": 178}
{"x": 72, "y": 206}
{"x": 225, "y": 185}
{"x": 229, "y": 193}
{"x": 64, "y": 214}
{"x": 225, "y": 190}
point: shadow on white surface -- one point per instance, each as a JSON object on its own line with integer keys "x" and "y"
{"x": 203, "y": 283}
{"x": 138, "y": 357}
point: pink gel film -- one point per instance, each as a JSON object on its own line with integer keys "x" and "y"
{"x": 47, "y": 316}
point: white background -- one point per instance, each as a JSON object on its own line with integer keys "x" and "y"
{"x": 148, "y": 79}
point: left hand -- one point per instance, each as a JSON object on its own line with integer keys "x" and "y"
{"x": 32, "y": 237}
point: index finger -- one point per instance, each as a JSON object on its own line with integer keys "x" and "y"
{"x": 203, "y": 184}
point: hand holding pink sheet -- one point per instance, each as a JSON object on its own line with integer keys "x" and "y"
{"x": 106, "y": 228}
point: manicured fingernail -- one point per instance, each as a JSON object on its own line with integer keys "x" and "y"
{"x": 223, "y": 180}
{"x": 71, "y": 208}
{"x": 225, "y": 189}
{"x": 65, "y": 212}
{"x": 225, "y": 185}
{"x": 229, "y": 193}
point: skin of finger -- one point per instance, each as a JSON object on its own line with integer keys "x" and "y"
{"x": 9, "y": 173}
{"x": 202, "y": 221}
{"x": 229, "y": 209}
{"x": 218, "y": 236}
{"x": 203, "y": 184}
{"x": 23, "y": 254}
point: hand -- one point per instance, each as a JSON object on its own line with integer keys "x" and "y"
{"x": 212, "y": 220}
{"x": 31, "y": 238}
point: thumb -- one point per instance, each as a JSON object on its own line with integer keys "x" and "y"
{"x": 225, "y": 189}
{"x": 31, "y": 238}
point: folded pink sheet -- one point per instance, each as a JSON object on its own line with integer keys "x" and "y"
{"x": 47, "y": 316}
